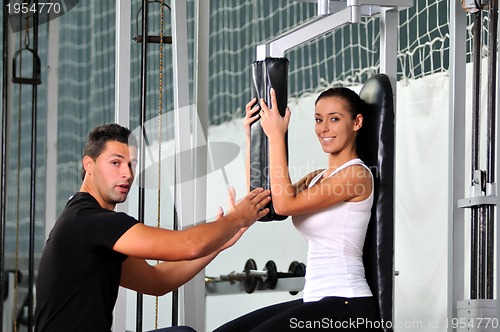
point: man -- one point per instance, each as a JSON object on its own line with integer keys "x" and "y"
{"x": 92, "y": 249}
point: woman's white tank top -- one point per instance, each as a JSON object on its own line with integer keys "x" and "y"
{"x": 336, "y": 236}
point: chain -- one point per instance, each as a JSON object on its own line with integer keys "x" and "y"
{"x": 160, "y": 111}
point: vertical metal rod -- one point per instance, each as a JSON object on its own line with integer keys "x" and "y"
{"x": 183, "y": 200}
{"x": 490, "y": 141}
{"x": 3, "y": 166}
{"x": 490, "y": 239}
{"x": 123, "y": 37}
{"x": 175, "y": 292}
{"x": 456, "y": 156}
{"x": 476, "y": 88}
{"x": 491, "y": 104}
{"x": 194, "y": 309}
{"x": 481, "y": 253}
{"x": 323, "y": 7}
{"x": 142, "y": 147}
{"x": 473, "y": 252}
{"x": 175, "y": 307}
{"x": 34, "y": 113}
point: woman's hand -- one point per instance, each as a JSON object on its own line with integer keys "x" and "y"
{"x": 251, "y": 115}
{"x": 273, "y": 124}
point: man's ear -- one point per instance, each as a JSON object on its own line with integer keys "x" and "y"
{"x": 358, "y": 122}
{"x": 88, "y": 164}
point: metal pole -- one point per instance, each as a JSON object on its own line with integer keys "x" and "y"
{"x": 323, "y": 7}
{"x": 122, "y": 117}
{"x": 476, "y": 88}
{"x": 142, "y": 147}
{"x": 52, "y": 93}
{"x": 456, "y": 156}
{"x": 497, "y": 204}
{"x": 184, "y": 192}
{"x": 491, "y": 144}
{"x": 194, "y": 290}
{"x": 481, "y": 252}
{"x": 3, "y": 166}
{"x": 389, "y": 20}
{"x": 34, "y": 109}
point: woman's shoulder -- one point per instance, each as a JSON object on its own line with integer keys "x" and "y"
{"x": 354, "y": 168}
{"x": 352, "y": 174}
{"x": 309, "y": 177}
{"x": 306, "y": 180}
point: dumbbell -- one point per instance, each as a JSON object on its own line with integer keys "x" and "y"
{"x": 295, "y": 269}
{"x": 270, "y": 275}
{"x": 249, "y": 276}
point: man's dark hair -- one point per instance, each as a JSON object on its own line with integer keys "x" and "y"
{"x": 99, "y": 136}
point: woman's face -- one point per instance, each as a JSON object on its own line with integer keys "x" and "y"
{"x": 335, "y": 127}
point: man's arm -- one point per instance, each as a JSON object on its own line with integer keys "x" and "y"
{"x": 159, "y": 279}
{"x": 164, "y": 277}
{"x": 147, "y": 242}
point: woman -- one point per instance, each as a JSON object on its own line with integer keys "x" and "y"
{"x": 331, "y": 208}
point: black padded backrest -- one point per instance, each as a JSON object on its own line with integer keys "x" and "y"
{"x": 376, "y": 148}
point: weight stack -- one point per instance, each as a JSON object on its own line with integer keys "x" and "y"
{"x": 266, "y": 74}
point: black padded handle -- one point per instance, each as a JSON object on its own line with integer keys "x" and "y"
{"x": 266, "y": 74}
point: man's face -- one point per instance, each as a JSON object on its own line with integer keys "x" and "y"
{"x": 112, "y": 173}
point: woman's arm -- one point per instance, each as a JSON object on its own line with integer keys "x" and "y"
{"x": 251, "y": 115}
{"x": 352, "y": 183}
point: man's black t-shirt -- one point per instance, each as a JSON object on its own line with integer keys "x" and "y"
{"x": 79, "y": 273}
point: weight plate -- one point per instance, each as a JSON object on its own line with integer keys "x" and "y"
{"x": 272, "y": 275}
{"x": 250, "y": 283}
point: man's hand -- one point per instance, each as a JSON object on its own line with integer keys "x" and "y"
{"x": 257, "y": 199}
{"x": 251, "y": 207}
